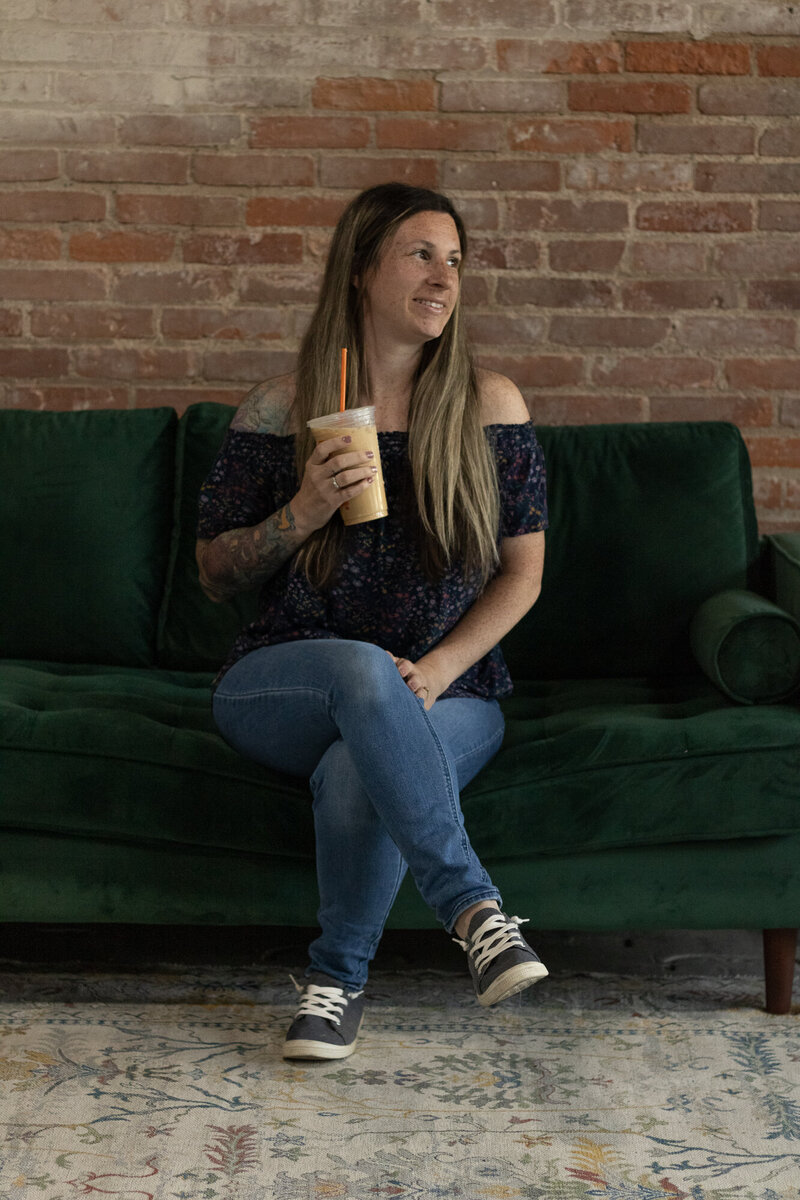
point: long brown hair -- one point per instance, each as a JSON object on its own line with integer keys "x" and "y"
{"x": 453, "y": 470}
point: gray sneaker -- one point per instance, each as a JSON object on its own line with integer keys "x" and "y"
{"x": 327, "y": 1022}
{"x": 501, "y": 962}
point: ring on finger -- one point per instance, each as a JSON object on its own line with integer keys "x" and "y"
{"x": 335, "y": 481}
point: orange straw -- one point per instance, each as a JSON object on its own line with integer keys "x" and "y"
{"x": 343, "y": 386}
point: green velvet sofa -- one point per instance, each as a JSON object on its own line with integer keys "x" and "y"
{"x": 649, "y": 775}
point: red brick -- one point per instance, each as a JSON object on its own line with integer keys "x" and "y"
{"x": 280, "y": 287}
{"x": 70, "y": 399}
{"x": 707, "y": 217}
{"x": 767, "y": 491}
{"x": 189, "y": 130}
{"x": 755, "y": 178}
{"x": 409, "y": 133}
{"x": 180, "y": 398}
{"x": 246, "y": 365}
{"x": 741, "y": 410}
{"x": 309, "y": 132}
{"x": 669, "y": 258}
{"x": 629, "y": 175}
{"x": 362, "y": 94}
{"x": 664, "y": 16}
{"x": 83, "y": 322}
{"x": 716, "y": 333}
{"x": 153, "y": 362}
{"x": 653, "y": 372}
{"x": 28, "y": 165}
{"x": 127, "y": 166}
{"x": 238, "y": 324}
{"x": 537, "y": 370}
{"x": 33, "y": 363}
{"x": 666, "y": 295}
{"x": 763, "y": 374}
{"x": 361, "y": 171}
{"x": 138, "y": 286}
{"x": 161, "y": 209}
{"x": 778, "y": 60}
{"x": 475, "y": 291}
{"x": 565, "y": 136}
{"x": 501, "y": 329}
{"x": 628, "y": 97}
{"x": 773, "y": 451}
{"x": 775, "y": 293}
{"x": 254, "y": 170}
{"x": 479, "y": 212}
{"x": 505, "y": 175}
{"x": 566, "y": 216}
{"x": 430, "y": 53}
{"x": 260, "y": 248}
{"x": 62, "y": 205}
{"x": 790, "y": 411}
{"x": 503, "y": 251}
{"x": 581, "y": 255}
{"x": 559, "y": 58}
{"x": 608, "y": 331}
{"x": 10, "y": 322}
{"x": 587, "y": 410}
{"x": 30, "y": 244}
{"x": 656, "y": 137}
{"x": 776, "y": 257}
{"x": 51, "y": 284}
{"x": 503, "y": 95}
{"x": 750, "y": 98}
{"x": 121, "y": 247}
{"x": 776, "y": 214}
{"x": 554, "y": 293}
{"x": 687, "y": 58}
{"x": 782, "y": 140}
{"x": 75, "y": 129}
{"x": 295, "y": 210}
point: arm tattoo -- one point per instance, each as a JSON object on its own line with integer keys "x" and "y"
{"x": 246, "y": 557}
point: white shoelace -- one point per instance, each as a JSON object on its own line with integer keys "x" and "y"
{"x": 496, "y": 934}
{"x": 326, "y": 1002}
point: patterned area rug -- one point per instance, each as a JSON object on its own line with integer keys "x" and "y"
{"x": 171, "y": 1087}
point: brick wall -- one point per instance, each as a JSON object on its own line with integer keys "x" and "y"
{"x": 170, "y": 171}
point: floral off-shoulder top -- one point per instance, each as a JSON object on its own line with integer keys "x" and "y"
{"x": 381, "y": 593}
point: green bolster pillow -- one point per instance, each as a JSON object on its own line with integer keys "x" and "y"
{"x": 748, "y": 647}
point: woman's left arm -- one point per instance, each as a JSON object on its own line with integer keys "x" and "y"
{"x": 506, "y": 599}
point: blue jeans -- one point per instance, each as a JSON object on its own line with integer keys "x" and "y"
{"x": 384, "y": 774}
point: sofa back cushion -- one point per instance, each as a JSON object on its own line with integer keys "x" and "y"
{"x": 85, "y": 520}
{"x": 646, "y": 522}
{"x": 196, "y": 634}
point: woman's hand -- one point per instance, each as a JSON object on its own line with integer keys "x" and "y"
{"x": 420, "y": 678}
{"x": 332, "y": 475}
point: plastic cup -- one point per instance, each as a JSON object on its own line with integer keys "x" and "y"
{"x": 359, "y": 423}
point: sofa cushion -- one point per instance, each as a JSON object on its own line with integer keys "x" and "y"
{"x": 85, "y": 521}
{"x": 747, "y": 646}
{"x": 196, "y": 634}
{"x": 132, "y": 755}
{"x": 646, "y": 522}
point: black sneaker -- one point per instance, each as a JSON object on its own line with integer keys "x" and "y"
{"x": 501, "y": 962}
{"x": 327, "y": 1022}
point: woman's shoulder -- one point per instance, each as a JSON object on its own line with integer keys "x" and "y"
{"x": 267, "y": 408}
{"x": 502, "y": 402}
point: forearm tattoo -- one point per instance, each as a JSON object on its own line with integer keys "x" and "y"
{"x": 246, "y": 557}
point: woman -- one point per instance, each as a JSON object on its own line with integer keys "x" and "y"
{"x": 373, "y": 668}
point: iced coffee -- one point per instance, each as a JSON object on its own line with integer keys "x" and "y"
{"x": 359, "y": 423}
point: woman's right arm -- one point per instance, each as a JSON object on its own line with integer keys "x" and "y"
{"x": 243, "y": 558}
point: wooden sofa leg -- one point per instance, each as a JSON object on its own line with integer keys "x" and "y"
{"x": 780, "y": 948}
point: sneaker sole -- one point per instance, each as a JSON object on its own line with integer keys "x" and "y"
{"x": 319, "y": 1051}
{"x": 514, "y": 980}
